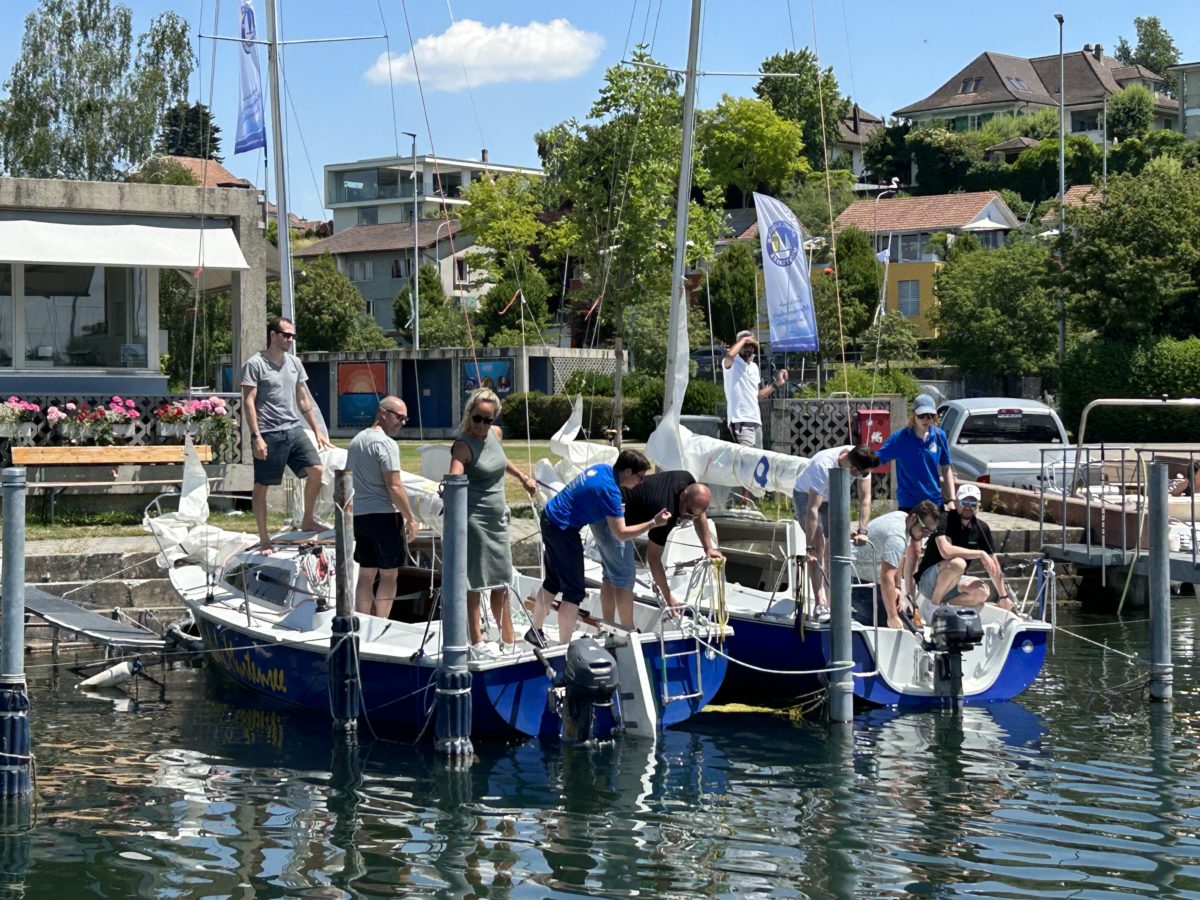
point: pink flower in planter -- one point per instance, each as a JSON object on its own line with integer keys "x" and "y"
{"x": 130, "y": 404}
{"x": 55, "y": 415}
{"x": 71, "y": 407}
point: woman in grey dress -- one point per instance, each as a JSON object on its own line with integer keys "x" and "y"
{"x": 478, "y": 453}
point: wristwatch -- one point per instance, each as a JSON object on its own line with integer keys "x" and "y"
{"x": 861, "y": 531}
{"x": 253, "y": 435}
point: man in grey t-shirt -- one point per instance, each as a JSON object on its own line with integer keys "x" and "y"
{"x": 274, "y": 395}
{"x": 383, "y": 517}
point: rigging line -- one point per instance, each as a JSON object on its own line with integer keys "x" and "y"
{"x": 849, "y": 55}
{"x": 629, "y": 27}
{"x": 837, "y": 288}
{"x": 466, "y": 78}
{"x": 387, "y": 46}
{"x": 287, "y": 92}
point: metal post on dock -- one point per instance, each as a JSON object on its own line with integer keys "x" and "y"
{"x": 1162, "y": 674}
{"x": 453, "y": 677}
{"x": 841, "y": 684}
{"x": 345, "y": 689}
{"x": 15, "y": 780}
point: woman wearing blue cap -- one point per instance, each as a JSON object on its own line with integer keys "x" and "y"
{"x": 922, "y": 456}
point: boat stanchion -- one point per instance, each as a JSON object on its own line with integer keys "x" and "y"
{"x": 16, "y": 783}
{"x": 345, "y": 689}
{"x": 453, "y": 677}
{"x": 841, "y": 683}
{"x": 1162, "y": 672}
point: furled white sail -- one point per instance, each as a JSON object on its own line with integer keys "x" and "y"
{"x": 712, "y": 461}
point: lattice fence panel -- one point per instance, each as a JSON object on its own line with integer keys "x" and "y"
{"x": 145, "y": 431}
{"x": 565, "y": 367}
{"x": 802, "y": 427}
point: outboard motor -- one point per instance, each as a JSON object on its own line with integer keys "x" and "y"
{"x": 589, "y": 680}
{"x": 954, "y": 630}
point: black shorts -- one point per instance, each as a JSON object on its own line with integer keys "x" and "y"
{"x": 379, "y": 540}
{"x": 562, "y": 553}
{"x": 291, "y": 449}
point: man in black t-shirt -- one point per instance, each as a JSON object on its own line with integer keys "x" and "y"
{"x": 961, "y": 537}
{"x": 686, "y": 501}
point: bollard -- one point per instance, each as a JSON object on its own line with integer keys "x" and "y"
{"x": 1162, "y": 672}
{"x": 841, "y": 684}
{"x": 453, "y": 677}
{"x": 15, "y": 778}
{"x": 345, "y": 690}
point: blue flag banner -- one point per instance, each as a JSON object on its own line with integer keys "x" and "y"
{"x": 786, "y": 277}
{"x": 251, "y": 126}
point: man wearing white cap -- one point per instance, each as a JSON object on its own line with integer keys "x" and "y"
{"x": 744, "y": 388}
{"x": 961, "y": 537}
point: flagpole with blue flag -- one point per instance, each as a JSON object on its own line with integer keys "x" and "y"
{"x": 790, "y": 313}
{"x": 251, "y": 124}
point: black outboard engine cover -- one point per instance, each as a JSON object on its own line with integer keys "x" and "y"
{"x": 956, "y": 628}
{"x": 590, "y": 680}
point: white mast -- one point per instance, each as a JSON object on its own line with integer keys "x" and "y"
{"x": 677, "y": 338}
{"x": 282, "y": 231}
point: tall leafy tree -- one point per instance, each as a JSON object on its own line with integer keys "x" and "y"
{"x": 980, "y": 296}
{"x": 81, "y": 102}
{"x": 442, "y": 322}
{"x": 502, "y": 313}
{"x": 1130, "y": 113}
{"x": 189, "y": 131}
{"x": 748, "y": 146}
{"x": 856, "y": 291}
{"x": 330, "y": 312}
{"x": 1132, "y": 260}
{"x": 732, "y": 284}
{"x": 800, "y": 99}
{"x": 1155, "y": 49}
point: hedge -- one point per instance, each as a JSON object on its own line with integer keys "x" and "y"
{"x": 1096, "y": 368}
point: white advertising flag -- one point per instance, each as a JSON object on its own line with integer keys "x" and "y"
{"x": 786, "y": 277}
{"x": 251, "y": 126}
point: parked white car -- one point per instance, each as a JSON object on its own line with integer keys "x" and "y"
{"x": 999, "y": 440}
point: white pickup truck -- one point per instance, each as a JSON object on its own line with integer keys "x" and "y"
{"x": 999, "y": 440}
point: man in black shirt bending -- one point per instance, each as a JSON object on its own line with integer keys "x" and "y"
{"x": 961, "y": 537}
{"x": 679, "y": 494}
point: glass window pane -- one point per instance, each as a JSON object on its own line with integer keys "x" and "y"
{"x": 6, "y": 314}
{"x": 88, "y": 316}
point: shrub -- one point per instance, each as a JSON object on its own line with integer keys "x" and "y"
{"x": 590, "y": 384}
{"x": 864, "y": 382}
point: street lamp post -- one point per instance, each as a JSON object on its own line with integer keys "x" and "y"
{"x": 1062, "y": 192}
{"x": 416, "y": 282}
{"x": 881, "y": 310}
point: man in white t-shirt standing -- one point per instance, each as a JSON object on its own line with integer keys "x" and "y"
{"x": 744, "y": 388}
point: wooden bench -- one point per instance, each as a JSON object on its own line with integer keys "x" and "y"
{"x": 44, "y": 458}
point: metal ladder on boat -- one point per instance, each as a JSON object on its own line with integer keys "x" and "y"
{"x": 694, "y": 653}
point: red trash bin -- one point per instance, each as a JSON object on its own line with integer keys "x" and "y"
{"x": 874, "y": 428}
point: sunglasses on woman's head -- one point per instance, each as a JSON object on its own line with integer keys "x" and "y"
{"x": 482, "y": 420}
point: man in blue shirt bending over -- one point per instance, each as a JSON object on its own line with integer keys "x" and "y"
{"x": 593, "y": 496}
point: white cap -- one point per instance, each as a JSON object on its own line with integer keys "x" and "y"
{"x": 968, "y": 492}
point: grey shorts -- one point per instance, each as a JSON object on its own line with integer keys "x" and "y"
{"x": 616, "y": 557}
{"x": 800, "y": 506}
{"x": 290, "y": 448}
{"x": 929, "y": 581}
{"x": 748, "y": 434}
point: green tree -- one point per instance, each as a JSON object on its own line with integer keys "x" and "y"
{"x": 616, "y": 176}
{"x": 732, "y": 284}
{"x": 501, "y": 311}
{"x": 943, "y": 158}
{"x": 856, "y": 291}
{"x": 886, "y": 155}
{"x": 747, "y": 145}
{"x": 815, "y": 206}
{"x": 1131, "y": 155}
{"x": 159, "y": 170}
{"x": 1130, "y": 113}
{"x": 331, "y": 314}
{"x": 1155, "y": 49}
{"x": 505, "y": 216}
{"x": 800, "y": 99}
{"x": 1035, "y": 173}
{"x": 1133, "y": 261}
{"x": 996, "y": 312}
{"x": 894, "y": 338}
{"x": 189, "y": 131}
{"x": 442, "y": 321}
{"x": 81, "y": 104}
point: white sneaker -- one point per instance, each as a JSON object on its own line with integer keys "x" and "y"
{"x": 485, "y": 650}
{"x": 821, "y": 613}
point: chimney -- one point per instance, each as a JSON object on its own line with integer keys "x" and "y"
{"x": 483, "y": 155}
{"x": 1098, "y": 52}
{"x": 855, "y": 127}
{"x": 1087, "y": 48}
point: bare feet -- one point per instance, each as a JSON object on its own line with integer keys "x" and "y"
{"x": 266, "y": 548}
{"x": 314, "y": 526}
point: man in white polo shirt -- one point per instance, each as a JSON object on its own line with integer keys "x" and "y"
{"x": 744, "y": 388}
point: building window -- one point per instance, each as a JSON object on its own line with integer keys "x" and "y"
{"x": 910, "y": 298}
{"x": 992, "y": 240}
{"x": 1088, "y": 120}
{"x": 1017, "y": 84}
{"x": 401, "y": 268}
{"x": 384, "y": 313}
{"x": 368, "y": 215}
{"x": 86, "y": 316}
{"x": 359, "y": 270}
{"x": 460, "y": 271}
{"x": 6, "y": 314}
{"x": 911, "y": 247}
{"x": 970, "y": 85}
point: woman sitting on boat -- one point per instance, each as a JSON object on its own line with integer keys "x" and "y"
{"x": 477, "y": 452}
{"x": 922, "y": 455}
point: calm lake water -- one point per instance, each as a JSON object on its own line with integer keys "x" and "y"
{"x": 1082, "y": 789}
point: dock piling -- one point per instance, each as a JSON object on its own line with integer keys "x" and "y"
{"x": 345, "y": 690}
{"x": 15, "y": 779}
{"x": 453, "y": 677}
{"x": 841, "y": 684}
{"x": 1162, "y": 672}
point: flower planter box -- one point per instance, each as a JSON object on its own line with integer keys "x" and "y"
{"x": 123, "y": 431}
{"x": 176, "y": 429}
{"x": 19, "y": 430}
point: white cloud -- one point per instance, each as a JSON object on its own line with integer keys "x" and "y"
{"x": 471, "y": 52}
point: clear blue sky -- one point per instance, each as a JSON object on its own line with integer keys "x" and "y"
{"x": 544, "y": 62}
